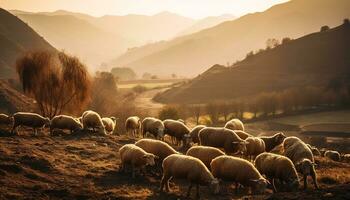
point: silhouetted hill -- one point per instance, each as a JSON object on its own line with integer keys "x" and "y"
{"x": 16, "y": 37}
{"x": 230, "y": 41}
{"x": 314, "y": 59}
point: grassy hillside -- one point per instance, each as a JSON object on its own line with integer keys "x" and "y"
{"x": 230, "y": 41}
{"x": 16, "y": 37}
{"x": 314, "y": 59}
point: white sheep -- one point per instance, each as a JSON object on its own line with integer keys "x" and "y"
{"x": 176, "y": 129}
{"x": 92, "y": 120}
{"x": 156, "y": 147}
{"x": 133, "y": 125}
{"x": 254, "y": 147}
{"x": 65, "y": 122}
{"x": 204, "y": 153}
{"x": 190, "y": 168}
{"x": 302, "y": 158}
{"x": 194, "y": 133}
{"x": 278, "y": 167}
{"x": 136, "y": 157}
{"x": 235, "y": 124}
{"x": 110, "y": 124}
{"x": 32, "y": 120}
{"x": 153, "y": 126}
{"x": 333, "y": 155}
{"x": 239, "y": 171}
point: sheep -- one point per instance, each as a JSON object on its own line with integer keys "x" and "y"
{"x": 156, "y": 147}
{"x": 110, "y": 124}
{"x": 272, "y": 141}
{"x": 190, "y": 168}
{"x": 222, "y": 138}
{"x": 235, "y": 124}
{"x": 302, "y": 158}
{"x": 314, "y": 150}
{"x": 277, "y": 167}
{"x": 205, "y": 154}
{"x": 133, "y": 155}
{"x": 333, "y": 155}
{"x": 5, "y": 119}
{"x": 346, "y": 158}
{"x": 176, "y": 129}
{"x": 153, "y": 126}
{"x": 278, "y": 150}
{"x": 194, "y": 133}
{"x": 65, "y": 122}
{"x": 93, "y": 120}
{"x": 240, "y": 171}
{"x": 243, "y": 135}
{"x": 32, "y": 120}
{"x": 133, "y": 125}
{"x": 255, "y": 146}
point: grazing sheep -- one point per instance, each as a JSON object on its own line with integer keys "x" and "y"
{"x": 235, "y": 124}
{"x": 109, "y": 124}
{"x": 314, "y": 150}
{"x": 278, "y": 150}
{"x": 5, "y": 119}
{"x": 136, "y": 157}
{"x": 133, "y": 125}
{"x": 156, "y": 147}
{"x": 205, "y": 154}
{"x": 302, "y": 157}
{"x": 255, "y": 146}
{"x": 333, "y": 155}
{"x": 346, "y": 158}
{"x": 176, "y": 129}
{"x": 32, "y": 120}
{"x": 322, "y": 151}
{"x": 153, "y": 126}
{"x": 240, "y": 171}
{"x": 190, "y": 168}
{"x": 278, "y": 167}
{"x": 93, "y": 120}
{"x": 194, "y": 133}
{"x": 243, "y": 135}
{"x": 273, "y": 141}
{"x": 222, "y": 138}
{"x": 65, "y": 122}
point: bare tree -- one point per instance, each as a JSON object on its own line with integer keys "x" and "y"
{"x": 196, "y": 111}
{"x": 213, "y": 112}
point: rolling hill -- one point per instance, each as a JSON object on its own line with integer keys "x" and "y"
{"x": 312, "y": 60}
{"x": 230, "y": 41}
{"x": 16, "y": 37}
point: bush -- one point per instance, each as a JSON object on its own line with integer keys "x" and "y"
{"x": 169, "y": 112}
{"x": 139, "y": 89}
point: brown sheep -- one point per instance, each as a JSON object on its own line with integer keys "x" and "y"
{"x": 133, "y": 125}
{"x": 194, "y": 133}
{"x": 190, "y": 168}
{"x": 205, "y": 154}
{"x": 65, "y": 122}
{"x": 302, "y": 157}
{"x": 235, "y": 124}
{"x": 240, "y": 171}
{"x": 333, "y": 155}
{"x": 278, "y": 167}
{"x": 153, "y": 126}
{"x": 255, "y": 146}
{"x": 176, "y": 129}
{"x": 222, "y": 138}
{"x": 272, "y": 141}
{"x": 136, "y": 157}
{"x": 314, "y": 150}
{"x": 32, "y": 120}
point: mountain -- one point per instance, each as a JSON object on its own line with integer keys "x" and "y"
{"x": 230, "y": 41}
{"x": 313, "y": 60}
{"x": 16, "y": 38}
{"x": 207, "y": 22}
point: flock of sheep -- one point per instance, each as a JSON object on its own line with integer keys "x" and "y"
{"x": 213, "y": 153}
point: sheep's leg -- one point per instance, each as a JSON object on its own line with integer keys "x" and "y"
{"x": 14, "y": 128}
{"x": 237, "y": 187}
{"x": 305, "y": 182}
{"x": 35, "y": 131}
{"x": 132, "y": 171}
{"x": 165, "y": 181}
{"x": 314, "y": 178}
{"x": 273, "y": 185}
{"x": 197, "y": 188}
{"x": 189, "y": 190}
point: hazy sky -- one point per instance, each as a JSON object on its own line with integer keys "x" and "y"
{"x": 189, "y": 8}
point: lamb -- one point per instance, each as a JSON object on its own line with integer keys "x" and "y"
{"x": 273, "y": 141}
{"x": 153, "y": 126}
{"x": 176, "y": 129}
{"x": 222, "y": 138}
{"x": 255, "y": 147}
{"x": 133, "y": 155}
{"x": 110, "y": 124}
{"x": 32, "y": 120}
{"x": 194, "y": 133}
{"x": 333, "y": 155}
{"x": 205, "y": 154}
{"x": 133, "y": 125}
{"x": 240, "y": 171}
{"x": 278, "y": 167}
{"x": 156, "y": 147}
{"x": 5, "y": 119}
{"x": 243, "y": 135}
{"x": 65, "y": 122}
{"x": 235, "y": 124}
{"x": 190, "y": 168}
{"x": 92, "y": 120}
{"x": 302, "y": 158}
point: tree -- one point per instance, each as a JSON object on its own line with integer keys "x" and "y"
{"x": 213, "y": 112}
{"x": 169, "y": 112}
{"x": 196, "y": 111}
{"x": 286, "y": 40}
{"x": 123, "y": 73}
{"x": 57, "y": 81}
{"x": 271, "y": 43}
{"x": 324, "y": 28}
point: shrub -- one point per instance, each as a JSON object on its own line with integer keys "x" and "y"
{"x": 169, "y": 112}
{"x": 139, "y": 89}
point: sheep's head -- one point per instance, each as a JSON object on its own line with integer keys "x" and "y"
{"x": 305, "y": 167}
{"x": 47, "y": 122}
{"x": 214, "y": 186}
{"x": 240, "y": 147}
{"x": 160, "y": 131}
{"x": 187, "y": 140}
{"x": 293, "y": 184}
{"x": 279, "y": 137}
{"x": 149, "y": 159}
{"x": 259, "y": 185}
